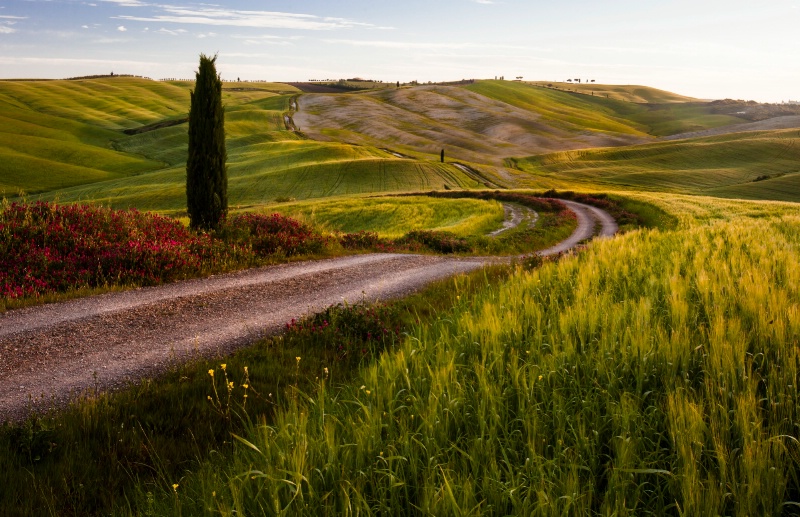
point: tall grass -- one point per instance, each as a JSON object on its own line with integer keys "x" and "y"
{"x": 654, "y": 374}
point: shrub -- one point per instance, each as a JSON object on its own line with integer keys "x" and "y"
{"x": 270, "y": 234}
{"x": 441, "y": 242}
{"x": 47, "y": 248}
{"x": 360, "y": 240}
{"x": 350, "y": 330}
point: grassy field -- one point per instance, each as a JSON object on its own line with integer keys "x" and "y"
{"x": 627, "y": 93}
{"x": 488, "y": 121}
{"x": 88, "y": 158}
{"x": 758, "y": 165}
{"x": 663, "y": 114}
{"x": 392, "y": 217}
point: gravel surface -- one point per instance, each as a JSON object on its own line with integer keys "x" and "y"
{"x": 51, "y": 353}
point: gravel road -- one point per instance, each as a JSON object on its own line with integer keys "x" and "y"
{"x": 51, "y": 353}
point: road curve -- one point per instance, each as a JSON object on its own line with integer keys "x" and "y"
{"x": 53, "y": 352}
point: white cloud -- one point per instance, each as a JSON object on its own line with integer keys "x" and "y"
{"x": 84, "y": 26}
{"x": 122, "y": 28}
{"x": 256, "y": 19}
{"x": 162, "y": 30}
{"x": 126, "y": 3}
{"x": 7, "y": 17}
{"x": 5, "y": 29}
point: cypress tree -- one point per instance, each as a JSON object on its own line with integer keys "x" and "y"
{"x": 206, "y": 172}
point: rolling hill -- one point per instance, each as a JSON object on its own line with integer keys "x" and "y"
{"x": 121, "y": 141}
{"x": 754, "y": 165}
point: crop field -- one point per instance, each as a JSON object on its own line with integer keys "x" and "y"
{"x": 666, "y": 116}
{"x": 387, "y": 140}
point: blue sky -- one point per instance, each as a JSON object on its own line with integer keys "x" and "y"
{"x": 703, "y": 48}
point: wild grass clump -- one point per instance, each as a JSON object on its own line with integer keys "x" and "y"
{"x": 439, "y": 242}
{"x": 352, "y": 331}
{"x": 361, "y": 240}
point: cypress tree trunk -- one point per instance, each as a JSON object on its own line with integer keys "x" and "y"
{"x": 206, "y": 172}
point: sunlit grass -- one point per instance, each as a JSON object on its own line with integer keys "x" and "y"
{"x": 654, "y": 373}
{"x": 756, "y": 165}
{"x": 393, "y": 217}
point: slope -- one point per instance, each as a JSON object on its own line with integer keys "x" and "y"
{"x": 755, "y": 165}
{"x": 470, "y": 125}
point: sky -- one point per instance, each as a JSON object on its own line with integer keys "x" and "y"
{"x": 708, "y": 49}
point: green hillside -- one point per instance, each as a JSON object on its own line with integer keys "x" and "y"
{"x": 122, "y": 141}
{"x": 756, "y": 165}
{"x": 67, "y": 140}
{"x": 620, "y": 92}
{"x": 56, "y": 134}
{"x": 634, "y": 109}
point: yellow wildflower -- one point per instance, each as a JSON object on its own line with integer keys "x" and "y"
{"x": 223, "y": 366}
{"x": 211, "y": 372}
{"x": 175, "y": 487}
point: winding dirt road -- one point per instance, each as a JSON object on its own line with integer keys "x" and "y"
{"x": 51, "y": 353}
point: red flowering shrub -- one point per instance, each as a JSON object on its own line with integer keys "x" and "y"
{"x": 45, "y": 248}
{"x": 51, "y": 248}
{"x": 270, "y": 234}
{"x": 360, "y": 240}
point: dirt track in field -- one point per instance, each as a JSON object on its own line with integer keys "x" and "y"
{"x": 52, "y": 353}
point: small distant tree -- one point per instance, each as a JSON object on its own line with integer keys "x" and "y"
{"x": 206, "y": 171}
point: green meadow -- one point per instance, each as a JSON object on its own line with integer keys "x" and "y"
{"x": 756, "y": 165}
{"x": 393, "y": 217}
{"x": 652, "y": 373}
